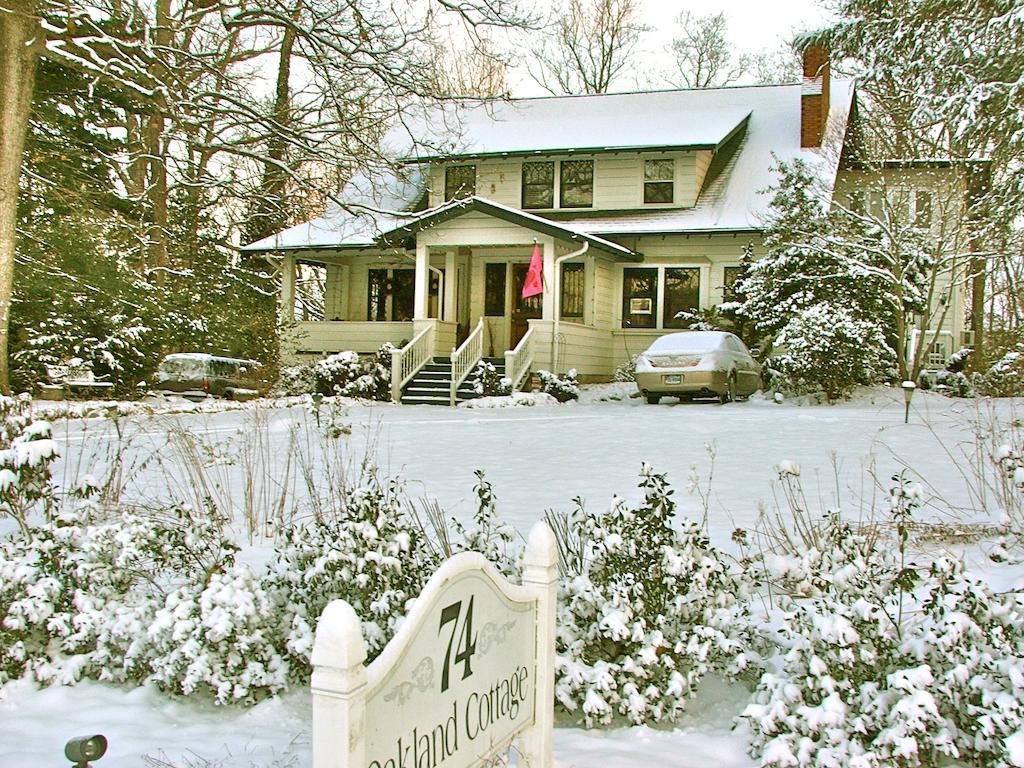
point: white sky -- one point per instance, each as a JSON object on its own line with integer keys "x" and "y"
{"x": 754, "y": 26}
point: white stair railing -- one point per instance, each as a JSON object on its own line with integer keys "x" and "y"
{"x": 407, "y": 361}
{"x": 465, "y": 358}
{"x": 518, "y": 360}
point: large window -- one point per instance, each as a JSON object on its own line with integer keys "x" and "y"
{"x": 682, "y": 296}
{"x": 573, "y": 277}
{"x": 652, "y": 297}
{"x": 577, "y": 184}
{"x": 391, "y": 294}
{"x": 539, "y": 185}
{"x": 494, "y": 290}
{"x": 459, "y": 181}
{"x": 639, "y": 297}
{"x": 659, "y": 181}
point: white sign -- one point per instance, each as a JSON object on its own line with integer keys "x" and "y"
{"x": 471, "y": 669}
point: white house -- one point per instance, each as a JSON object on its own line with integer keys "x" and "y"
{"x": 641, "y": 205}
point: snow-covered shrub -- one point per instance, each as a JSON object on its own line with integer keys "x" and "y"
{"x": 825, "y": 348}
{"x": 296, "y": 380}
{"x": 562, "y": 389}
{"x": 1005, "y": 378}
{"x": 487, "y": 535}
{"x": 108, "y": 596}
{"x": 344, "y": 373}
{"x": 370, "y": 552}
{"x": 651, "y": 609}
{"x": 487, "y": 382}
{"x": 26, "y": 452}
{"x": 885, "y": 663}
{"x": 626, "y": 371}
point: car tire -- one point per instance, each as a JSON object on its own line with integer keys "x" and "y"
{"x": 729, "y": 395}
{"x": 653, "y": 399}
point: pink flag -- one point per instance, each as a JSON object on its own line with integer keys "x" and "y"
{"x": 534, "y": 282}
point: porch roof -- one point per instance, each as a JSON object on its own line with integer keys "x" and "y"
{"x": 455, "y": 208}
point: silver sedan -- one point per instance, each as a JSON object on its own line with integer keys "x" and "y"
{"x": 697, "y": 364}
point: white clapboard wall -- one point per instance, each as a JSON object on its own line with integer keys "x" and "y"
{"x": 470, "y": 671}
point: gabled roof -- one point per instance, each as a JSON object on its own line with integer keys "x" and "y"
{"x": 455, "y": 208}
{"x": 651, "y": 121}
{"x": 735, "y": 196}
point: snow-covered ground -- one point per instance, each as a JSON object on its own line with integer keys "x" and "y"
{"x": 537, "y": 458}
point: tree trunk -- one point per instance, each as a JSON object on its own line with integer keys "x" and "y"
{"x": 21, "y": 41}
{"x": 157, "y": 189}
{"x": 268, "y": 215}
{"x": 977, "y": 188}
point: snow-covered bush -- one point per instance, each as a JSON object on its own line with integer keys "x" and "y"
{"x": 825, "y": 348}
{"x": 626, "y": 371}
{"x": 1005, "y": 378}
{"x": 344, "y": 373}
{"x": 487, "y": 535}
{"x": 885, "y": 663}
{"x": 26, "y": 452}
{"x": 562, "y": 389}
{"x": 370, "y": 552}
{"x": 646, "y": 611}
{"x": 488, "y": 383}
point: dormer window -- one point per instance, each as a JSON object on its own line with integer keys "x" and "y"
{"x": 659, "y": 181}
{"x": 538, "y": 185}
{"x": 577, "y": 184}
{"x": 459, "y": 181}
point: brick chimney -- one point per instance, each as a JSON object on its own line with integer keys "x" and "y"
{"x": 814, "y": 93}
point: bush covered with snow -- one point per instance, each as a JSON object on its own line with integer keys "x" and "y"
{"x": 563, "y": 389}
{"x": 626, "y": 371}
{"x": 1005, "y": 377}
{"x": 26, "y": 452}
{"x": 488, "y": 383}
{"x": 648, "y": 608}
{"x": 370, "y": 552}
{"x": 825, "y": 348}
{"x": 885, "y": 662}
{"x": 344, "y": 373}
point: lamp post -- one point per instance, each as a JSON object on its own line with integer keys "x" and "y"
{"x": 908, "y": 388}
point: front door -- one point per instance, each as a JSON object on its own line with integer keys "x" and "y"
{"x": 523, "y": 310}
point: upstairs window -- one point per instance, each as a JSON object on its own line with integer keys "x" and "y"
{"x": 577, "y": 184}
{"x": 538, "y": 185}
{"x": 659, "y": 181}
{"x": 459, "y": 181}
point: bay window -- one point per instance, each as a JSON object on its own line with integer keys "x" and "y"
{"x": 652, "y": 297}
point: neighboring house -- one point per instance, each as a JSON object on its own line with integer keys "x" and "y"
{"x": 641, "y": 205}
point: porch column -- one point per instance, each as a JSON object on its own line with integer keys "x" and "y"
{"x": 287, "y": 288}
{"x": 419, "y": 308}
{"x": 450, "y": 286}
{"x": 548, "y": 307}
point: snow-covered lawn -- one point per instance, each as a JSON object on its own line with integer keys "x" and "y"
{"x": 722, "y": 461}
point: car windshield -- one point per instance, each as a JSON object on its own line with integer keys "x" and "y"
{"x": 184, "y": 367}
{"x": 695, "y": 341}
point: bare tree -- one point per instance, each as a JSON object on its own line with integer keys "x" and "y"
{"x": 590, "y": 44}
{"x": 476, "y": 70}
{"x": 702, "y": 56}
{"x": 775, "y": 67}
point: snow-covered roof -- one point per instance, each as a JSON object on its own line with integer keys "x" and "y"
{"x": 557, "y": 124}
{"x": 454, "y": 208}
{"x": 368, "y": 207}
{"x": 735, "y": 195}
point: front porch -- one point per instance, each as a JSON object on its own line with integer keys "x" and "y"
{"x": 451, "y": 289}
